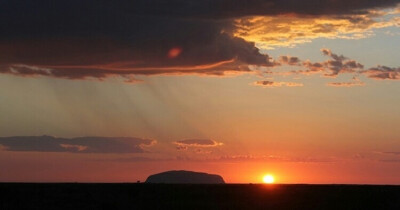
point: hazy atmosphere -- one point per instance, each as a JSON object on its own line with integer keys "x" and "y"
{"x": 103, "y": 91}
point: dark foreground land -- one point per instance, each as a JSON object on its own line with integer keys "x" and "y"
{"x": 222, "y": 196}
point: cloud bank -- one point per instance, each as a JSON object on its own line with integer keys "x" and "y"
{"x": 101, "y": 39}
{"x": 75, "y": 145}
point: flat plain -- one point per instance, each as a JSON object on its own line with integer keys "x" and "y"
{"x": 186, "y": 196}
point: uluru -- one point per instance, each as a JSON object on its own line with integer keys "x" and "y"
{"x": 185, "y": 177}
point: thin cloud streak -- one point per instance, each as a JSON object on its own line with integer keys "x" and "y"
{"x": 267, "y": 83}
{"x": 75, "y": 145}
{"x": 198, "y": 143}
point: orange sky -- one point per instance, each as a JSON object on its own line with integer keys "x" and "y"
{"x": 308, "y": 94}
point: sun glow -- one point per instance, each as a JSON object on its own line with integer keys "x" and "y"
{"x": 268, "y": 179}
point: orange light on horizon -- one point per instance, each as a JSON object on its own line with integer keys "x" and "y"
{"x": 268, "y": 179}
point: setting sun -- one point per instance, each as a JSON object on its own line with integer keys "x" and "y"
{"x": 269, "y": 179}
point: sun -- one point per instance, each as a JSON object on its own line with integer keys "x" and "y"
{"x": 268, "y": 179}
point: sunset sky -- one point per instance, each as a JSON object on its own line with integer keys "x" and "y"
{"x": 113, "y": 91}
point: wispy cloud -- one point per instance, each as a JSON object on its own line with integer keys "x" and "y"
{"x": 345, "y": 84}
{"x": 355, "y": 82}
{"x": 266, "y": 83}
{"x": 331, "y": 68}
{"x": 274, "y": 158}
{"x": 290, "y": 30}
{"x": 209, "y": 157}
{"x": 75, "y": 145}
{"x": 197, "y": 143}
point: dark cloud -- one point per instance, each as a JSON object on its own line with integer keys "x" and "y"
{"x": 234, "y": 8}
{"x": 289, "y": 60}
{"x": 197, "y": 143}
{"x": 336, "y": 57}
{"x": 383, "y": 72}
{"x": 339, "y": 64}
{"x": 312, "y": 67}
{"x": 266, "y": 83}
{"x": 77, "y": 39}
{"x": 336, "y": 65}
{"x": 75, "y": 145}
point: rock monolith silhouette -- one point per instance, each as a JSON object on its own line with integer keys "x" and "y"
{"x": 185, "y": 177}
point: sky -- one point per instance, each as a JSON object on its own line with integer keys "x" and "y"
{"x": 114, "y": 91}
